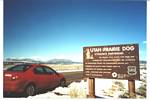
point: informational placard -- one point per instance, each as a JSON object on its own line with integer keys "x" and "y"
{"x": 112, "y": 62}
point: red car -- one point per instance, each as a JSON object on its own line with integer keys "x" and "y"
{"x": 31, "y": 78}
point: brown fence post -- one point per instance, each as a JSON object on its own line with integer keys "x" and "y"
{"x": 131, "y": 87}
{"x": 91, "y": 82}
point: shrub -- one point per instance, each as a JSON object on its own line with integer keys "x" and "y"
{"x": 142, "y": 90}
{"x": 77, "y": 90}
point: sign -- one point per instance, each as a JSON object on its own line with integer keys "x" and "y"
{"x": 112, "y": 62}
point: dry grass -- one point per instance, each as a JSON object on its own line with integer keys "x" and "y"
{"x": 77, "y": 90}
{"x": 60, "y": 67}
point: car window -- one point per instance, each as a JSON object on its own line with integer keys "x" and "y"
{"x": 39, "y": 70}
{"x": 22, "y": 67}
{"x": 49, "y": 70}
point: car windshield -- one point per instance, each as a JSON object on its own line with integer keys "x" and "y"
{"x": 19, "y": 68}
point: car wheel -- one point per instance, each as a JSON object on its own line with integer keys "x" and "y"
{"x": 30, "y": 90}
{"x": 63, "y": 83}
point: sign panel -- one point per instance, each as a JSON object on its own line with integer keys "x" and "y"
{"x": 112, "y": 62}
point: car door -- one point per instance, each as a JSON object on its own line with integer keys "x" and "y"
{"x": 40, "y": 77}
{"x": 52, "y": 77}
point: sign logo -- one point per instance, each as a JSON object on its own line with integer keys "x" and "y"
{"x": 132, "y": 70}
{"x": 88, "y": 54}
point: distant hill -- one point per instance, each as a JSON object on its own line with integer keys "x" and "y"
{"x": 143, "y": 62}
{"x": 61, "y": 61}
{"x": 51, "y": 61}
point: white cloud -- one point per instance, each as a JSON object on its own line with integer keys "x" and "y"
{"x": 144, "y": 42}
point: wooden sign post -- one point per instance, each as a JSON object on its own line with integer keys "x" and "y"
{"x": 131, "y": 88}
{"x": 91, "y": 82}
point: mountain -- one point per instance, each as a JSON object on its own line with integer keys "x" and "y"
{"x": 60, "y": 61}
{"x": 20, "y": 60}
{"x": 51, "y": 61}
{"x": 143, "y": 62}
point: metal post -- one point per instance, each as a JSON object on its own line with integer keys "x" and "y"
{"x": 131, "y": 87}
{"x": 91, "y": 82}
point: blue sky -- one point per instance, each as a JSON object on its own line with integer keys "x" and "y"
{"x": 47, "y": 29}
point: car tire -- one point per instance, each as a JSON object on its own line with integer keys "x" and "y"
{"x": 63, "y": 83}
{"x": 30, "y": 90}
